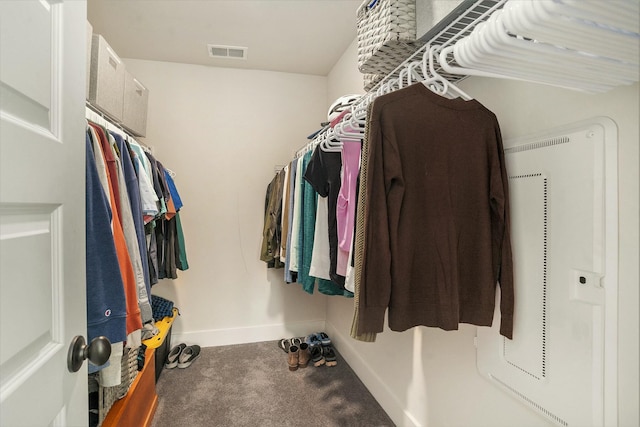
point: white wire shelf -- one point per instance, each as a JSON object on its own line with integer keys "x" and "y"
{"x": 456, "y": 25}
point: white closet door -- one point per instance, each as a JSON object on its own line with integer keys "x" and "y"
{"x": 42, "y": 210}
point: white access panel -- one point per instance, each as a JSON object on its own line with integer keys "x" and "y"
{"x": 562, "y": 362}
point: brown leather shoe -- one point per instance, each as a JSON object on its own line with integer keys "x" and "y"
{"x": 303, "y": 355}
{"x": 292, "y": 358}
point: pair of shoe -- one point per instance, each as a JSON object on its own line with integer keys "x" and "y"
{"x": 286, "y": 343}
{"x": 182, "y": 356}
{"x": 298, "y": 356}
{"x": 318, "y": 339}
{"x": 321, "y": 355}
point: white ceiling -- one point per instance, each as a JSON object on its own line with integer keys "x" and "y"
{"x": 296, "y": 36}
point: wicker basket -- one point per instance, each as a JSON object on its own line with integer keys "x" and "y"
{"x": 370, "y": 80}
{"x": 109, "y": 395}
{"x": 386, "y": 31}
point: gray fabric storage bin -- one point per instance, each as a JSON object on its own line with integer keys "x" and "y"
{"x": 106, "y": 83}
{"x": 89, "y": 41}
{"x": 136, "y": 98}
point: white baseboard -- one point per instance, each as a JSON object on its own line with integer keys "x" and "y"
{"x": 370, "y": 379}
{"x": 230, "y": 336}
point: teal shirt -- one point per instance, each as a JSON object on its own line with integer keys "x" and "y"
{"x": 308, "y": 224}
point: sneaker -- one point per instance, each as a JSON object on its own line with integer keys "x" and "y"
{"x": 316, "y": 356}
{"x": 329, "y": 355}
{"x": 324, "y": 338}
{"x": 313, "y": 340}
{"x": 188, "y": 355}
{"x": 172, "y": 357}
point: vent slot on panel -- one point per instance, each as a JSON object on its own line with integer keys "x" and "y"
{"x": 530, "y": 207}
{"x": 230, "y": 52}
{"x": 540, "y": 408}
{"x": 539, "y": 144}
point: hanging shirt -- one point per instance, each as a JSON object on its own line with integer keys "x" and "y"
{"x": 133, "y": 189}
{"x": 173, "y": 191}
{"x": 130, "y": 237}
{"x": 159, "y": 183}
{"x": 98, "y": 159}
{"x": 271, "y": 233}
{"x": 320, "y": 260}
{"x": 106, "y": 306}
{"x": 175, "y": 203}
{"x": 323, "y": 173}
{"x": 148, "y": 196}
{"x": 182, "y": 263}
{"x": 134, "y": 321}
{"x": 297, "y": 218}
{"x": 359, "y": 238}
{"x": 158, "y": 231}
{"x": 349, "y": 280}
{"x": 284, "y": 224}
{"x": 346, "y": 204}
{"x": 288, "y": 275}
{"x": 437, "y": 225}
{"x": 307, "y": 226}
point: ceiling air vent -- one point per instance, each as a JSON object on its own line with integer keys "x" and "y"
{"x": 232, "y": 52}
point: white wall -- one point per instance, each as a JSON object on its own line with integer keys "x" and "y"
{"x": 427, "y": 377}
{"x": 223, "y": 131}
{"x": 342, "y": 80}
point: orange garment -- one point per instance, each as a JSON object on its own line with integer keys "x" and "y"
{"x": 171, "y": 208}
{"x": 134, "y": 320}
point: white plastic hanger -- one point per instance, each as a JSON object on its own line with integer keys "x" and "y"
{"x": 436, "y": 82}
{"x": 554, "y": 59}
{"x": 402, "y": 75}
{"x": 623, "y": 16}
{"x": 348, "y": 129}
{"x": 412, "y": 72}
{"x": 548, "y": 22}
{"x": 505, "y": 46}
{"x": 510, "y": 52}
{"x": 328, "y": 143}
{"x": 495, "y": 50}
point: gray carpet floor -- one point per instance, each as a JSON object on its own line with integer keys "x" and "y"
{"x": 251, "y": 385}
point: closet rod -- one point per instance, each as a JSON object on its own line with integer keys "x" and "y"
{"x": 97, "y": 116}
{"x": 102, "y": 116}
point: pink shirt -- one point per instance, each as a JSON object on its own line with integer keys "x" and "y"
{"x": 346, "y": 207}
